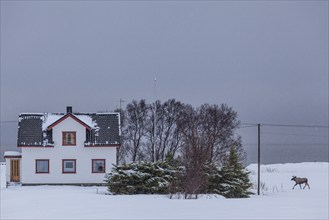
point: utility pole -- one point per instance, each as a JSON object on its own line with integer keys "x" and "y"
{"x": 258, "y": 187}
{"x": 155, "y": 113}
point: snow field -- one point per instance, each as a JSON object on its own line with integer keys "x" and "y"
{"x": 74, "y": 202}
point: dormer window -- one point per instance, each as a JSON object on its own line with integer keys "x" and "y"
{"x": 69, "y": 138}
{"x": 88, "y": 136}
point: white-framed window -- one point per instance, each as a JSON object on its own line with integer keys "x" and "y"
{"x": 69, "y": 166}
{"x": 42, "y": 166}
{"x": 98, "y": 165}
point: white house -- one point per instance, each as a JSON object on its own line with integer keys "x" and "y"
{"x": 65, "y": 148}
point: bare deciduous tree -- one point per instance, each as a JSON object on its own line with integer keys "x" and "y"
{"x": 194, "y": 153}
{"x": 214, "y": 126}
{"x": 135, "y": 128}
{"x": 167, "y": 136}
{"x": 219, "y": 124}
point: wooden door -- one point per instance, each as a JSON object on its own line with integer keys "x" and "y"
{"x": 14, "y": 170}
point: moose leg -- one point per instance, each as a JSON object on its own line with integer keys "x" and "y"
{"x": 306, "y": 184}
{"x": 294, "y": 186}
{"x": 300, "y": 185}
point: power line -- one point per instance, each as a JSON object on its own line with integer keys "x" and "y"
{"x": 292, "y": 144}
{"x": 301, "y": 126}
{"x": 8, "y": 122}
{"x": 251, "y": 124}
{"x": 289, "y": 134}
{"x": 161, "y": 0}
{"x": 287, "y": 125}
{"x": 248, "y": 126}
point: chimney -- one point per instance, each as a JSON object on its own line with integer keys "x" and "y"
{"x": 69, "y": 109}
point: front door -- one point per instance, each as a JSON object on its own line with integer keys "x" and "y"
{"x": 14, "y": 170}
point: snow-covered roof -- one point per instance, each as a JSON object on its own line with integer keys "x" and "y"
{"x": 12, "y": 153}
{"x": 35, "y": 129}
{"x": 50, "y": 118}
{"x": 88, "y": 120}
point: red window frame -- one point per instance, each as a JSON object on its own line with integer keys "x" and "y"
{"x": 74, "y": 135}
{"x": 36, "y": 166}
{"x": 92, "y": 166}
{"x": 75, "y": 166}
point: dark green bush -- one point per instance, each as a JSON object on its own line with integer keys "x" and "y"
{"x": 141, "y": 178}
{"x": 231, "y": 180}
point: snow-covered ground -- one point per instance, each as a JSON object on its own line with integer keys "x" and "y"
{"x": 278, "y": 200}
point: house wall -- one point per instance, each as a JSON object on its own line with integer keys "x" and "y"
{"x": 83, "y": 156}
{"x": 8, "y": 169}
{"x": 3, "y": 183}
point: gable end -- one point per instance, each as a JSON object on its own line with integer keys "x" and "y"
{"x": 65, "y": 117}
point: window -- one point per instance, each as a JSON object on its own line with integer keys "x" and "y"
{"x": 98, "y": 165}
{"x": 69, "y": 138}
{"x": 69, "y": 166}
{"x": 41, "y": 166}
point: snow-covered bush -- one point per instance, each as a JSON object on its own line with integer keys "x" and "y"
{"x": 140, "y": 178}
{"x": 214, "y": 179}
{"x": 162, "y": 177}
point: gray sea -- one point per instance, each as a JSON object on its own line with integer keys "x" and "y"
{"x": 280, "y": 153}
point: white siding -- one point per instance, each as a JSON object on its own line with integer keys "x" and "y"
{"x": 8, "y": 169}
{"x": 83, "y": 156}
{"x": 3, "y": 183}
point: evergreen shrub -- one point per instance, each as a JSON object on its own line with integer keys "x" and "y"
{"x": 141, "y": 178}
{"x": 162, "y": 177}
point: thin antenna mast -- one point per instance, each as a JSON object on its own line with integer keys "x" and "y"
{"x": 155, "y": 111}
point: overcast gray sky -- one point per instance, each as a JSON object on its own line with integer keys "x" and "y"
{"x": 268, "y": 60}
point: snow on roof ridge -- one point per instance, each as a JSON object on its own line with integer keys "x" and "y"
{"x": 48, "y": 119}
{"x": 87, "y": 119}
{"x": 107, "y": 113}
{"x": 95, "y": 113}
{"x": 12, "y": 153}
{"x": 24, "y": 113}
{"x": 74, "y": 113}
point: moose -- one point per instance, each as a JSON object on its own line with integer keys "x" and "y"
{"x": 300, "y": 181}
